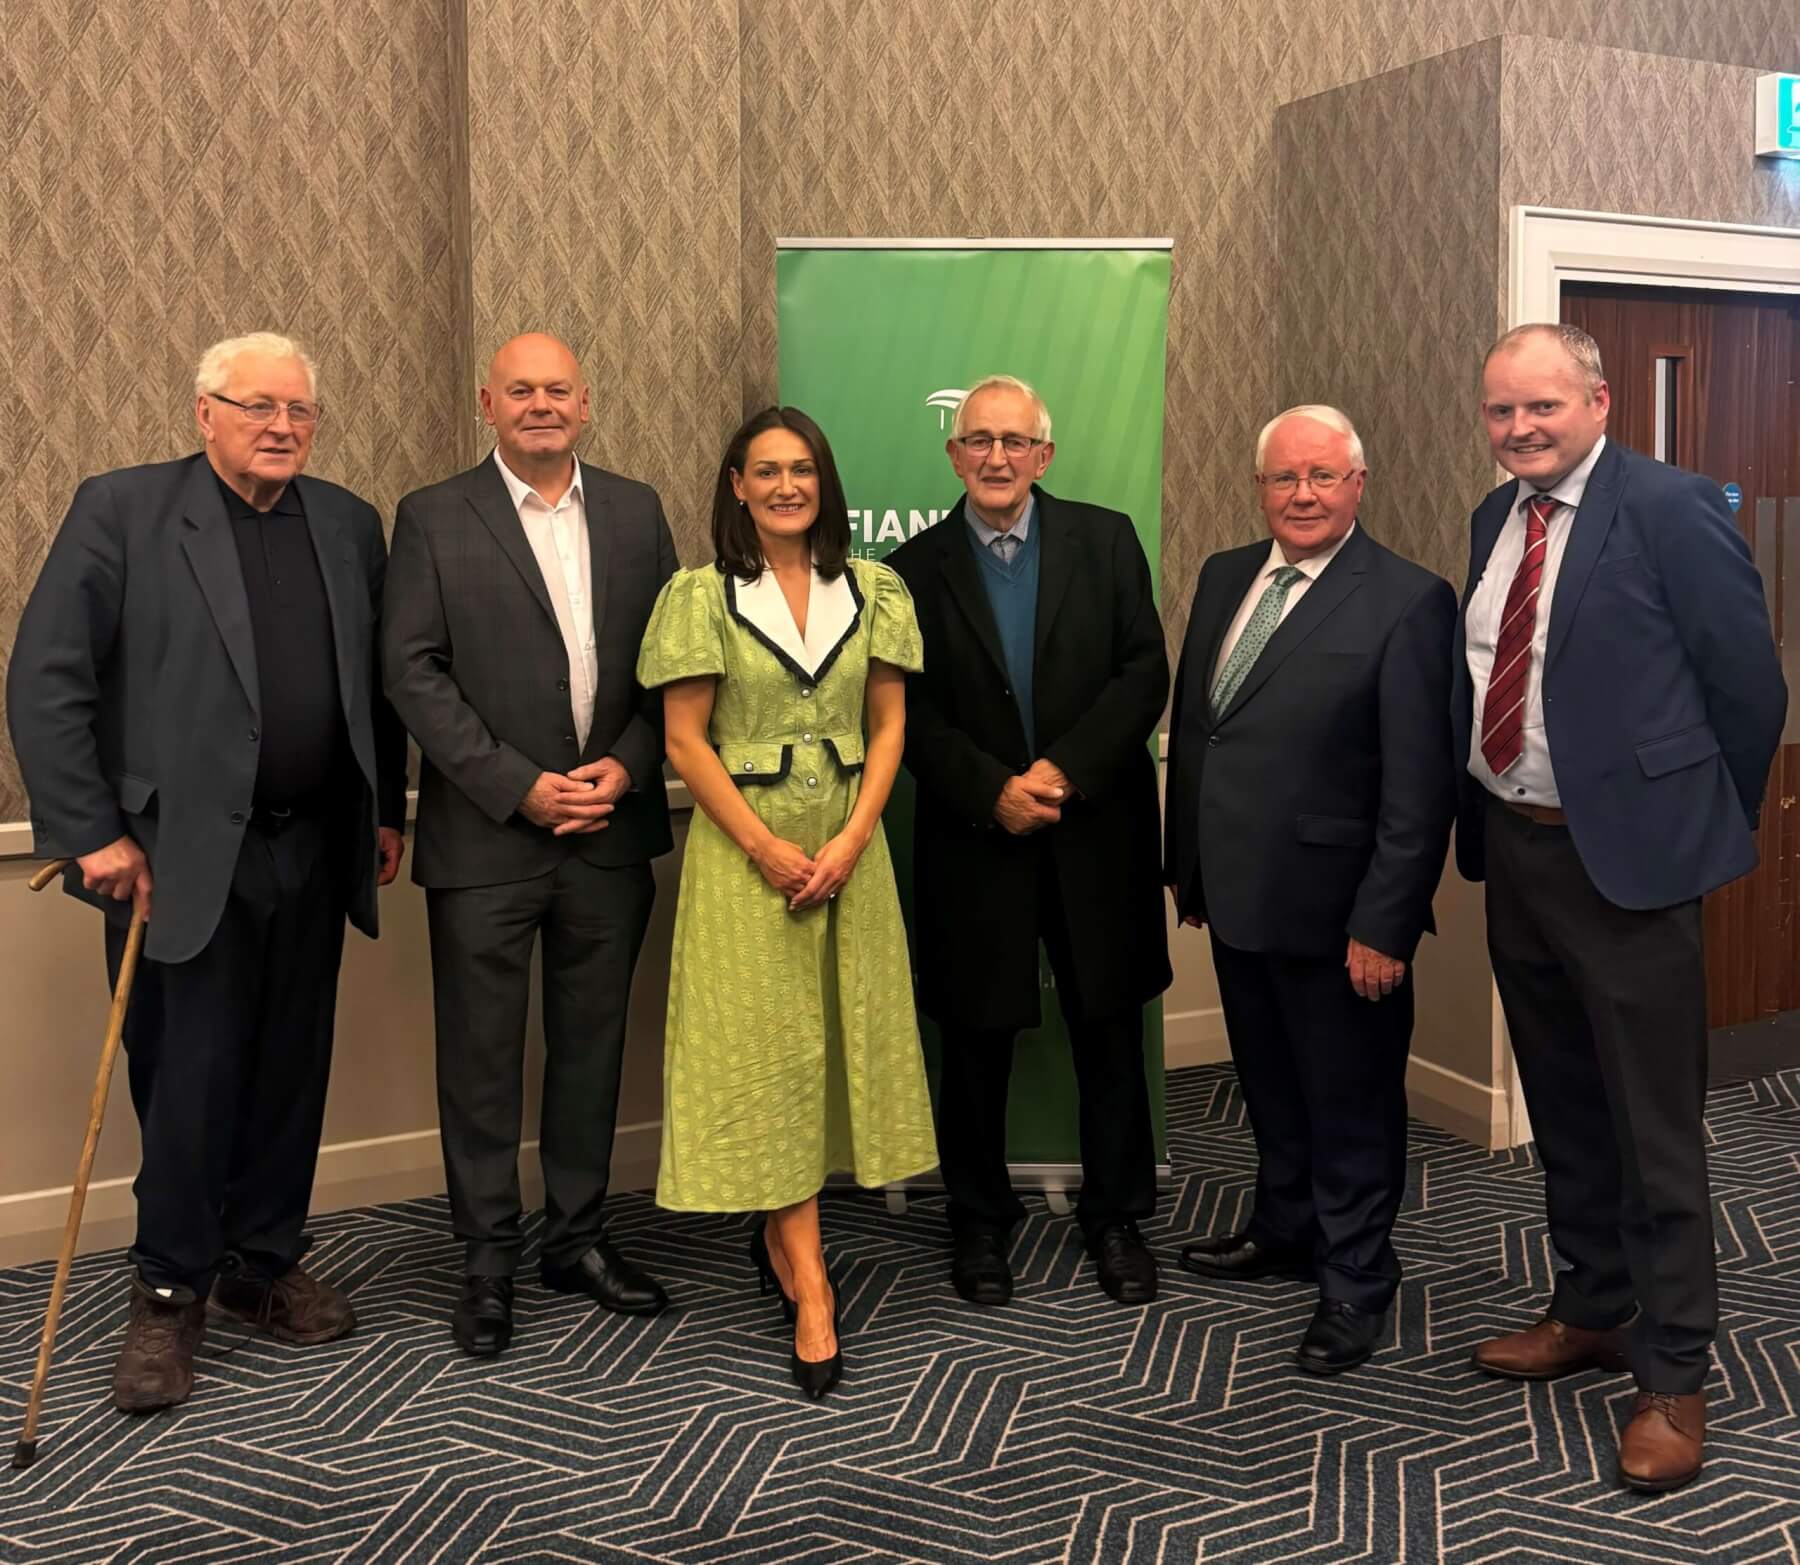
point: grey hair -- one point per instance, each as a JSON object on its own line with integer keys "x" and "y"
{"x": 1004, "y": 383}
{"x": 214, "y": 368}
{"x": 1571, "y": 339}
{"x": 1319, "y": 413}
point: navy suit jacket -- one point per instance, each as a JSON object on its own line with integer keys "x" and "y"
{"x": 1318, "y": 807}
{"x": 1663, "y": 695}
{"x": 134, "y": 699}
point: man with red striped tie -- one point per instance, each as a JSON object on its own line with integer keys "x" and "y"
{"x": 1618, "y": 701}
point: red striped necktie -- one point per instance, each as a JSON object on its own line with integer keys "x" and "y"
{"x": 1503, "y": 713}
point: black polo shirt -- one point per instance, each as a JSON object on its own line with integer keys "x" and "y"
{"x": 305, "y": 747}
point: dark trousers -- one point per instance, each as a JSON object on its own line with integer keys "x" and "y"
{"x": 229, "y": 1054}
{"x": 1607, "y": 1011}
{"x": 592, "y": 922}
{"x": 1118, "y": 1150}
{"x": 1323, "y": 1073}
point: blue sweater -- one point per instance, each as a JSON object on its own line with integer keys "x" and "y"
{"x": 1012, "y": 591}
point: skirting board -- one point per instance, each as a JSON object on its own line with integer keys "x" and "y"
{"x": 352, "y": 1173}
{"x": 1434, "y": 1093}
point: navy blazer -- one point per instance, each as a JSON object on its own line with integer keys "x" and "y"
{"x": 1318, "y": 807}
{"x": 1663, "y": 695}
{"x": 133, "y": 693}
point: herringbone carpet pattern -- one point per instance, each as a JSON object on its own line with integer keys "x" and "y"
{"x": 1064, "y": 1428}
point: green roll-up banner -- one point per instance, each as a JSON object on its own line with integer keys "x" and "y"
{"x": 878, "y": 340}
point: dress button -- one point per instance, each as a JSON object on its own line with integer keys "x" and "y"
{"x": 570, "y": 739}
{"x": 1212, "y": 742}
{"x": 749, "y": 766}
{"x": 562, "y": 684}
{"x": 806, "y": 690}
{"x": 237, "y": 817}
{"x": 255, "y": 733}
{"x": 812, "y": 782}
{"x": 806, "y": 738}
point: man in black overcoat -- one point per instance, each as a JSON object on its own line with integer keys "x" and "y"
{"x": 1028, "y": 734}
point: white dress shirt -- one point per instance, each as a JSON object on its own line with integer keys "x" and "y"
{"x": 1310, "y": 571}
{"x": 558, "y": 536}
{"x": 1530, "y": 779}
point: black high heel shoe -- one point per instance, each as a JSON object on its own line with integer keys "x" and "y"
{"x": 765, "y": 1267}
{"x": 816, "y": 1377}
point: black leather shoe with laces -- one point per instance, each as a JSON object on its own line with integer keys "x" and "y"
{"x": 1126, "y": 1266}
{"x": 1340, "y": 1337}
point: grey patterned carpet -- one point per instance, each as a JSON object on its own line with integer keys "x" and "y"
{"x": 1064, "y": 1428}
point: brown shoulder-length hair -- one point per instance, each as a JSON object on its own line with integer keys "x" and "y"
{"x": 736, "y": 549}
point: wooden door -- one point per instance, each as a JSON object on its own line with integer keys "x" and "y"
{"x": 1706, "y": 379}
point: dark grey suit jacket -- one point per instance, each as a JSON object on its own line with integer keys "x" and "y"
{"x": 476, "y": 667}
{"x": 133, "y": 695}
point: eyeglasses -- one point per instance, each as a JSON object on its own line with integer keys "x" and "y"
{"x": 1012, "y": 445}
{"x": 300, "y": 414}
{"x": 1322, "y": 479}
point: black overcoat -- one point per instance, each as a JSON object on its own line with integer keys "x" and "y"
{"x": 1100, "y": 678}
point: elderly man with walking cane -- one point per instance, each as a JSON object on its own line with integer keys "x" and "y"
{"x": 196, "y": 709}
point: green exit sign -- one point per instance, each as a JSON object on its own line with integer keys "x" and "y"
{"x": 1778, "y": 116}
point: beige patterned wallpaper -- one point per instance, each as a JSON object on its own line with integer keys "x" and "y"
{"x": 404, "y": 183}
{"x": 603, "y": 199}
{"x": 1387, "y": 306}
{"x": 173, "y": 175}
{"x": 1605, "y": 129}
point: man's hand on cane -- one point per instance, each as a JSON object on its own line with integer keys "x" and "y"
{"x": 120, "y": 871}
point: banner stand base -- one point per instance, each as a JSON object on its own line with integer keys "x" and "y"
{"x": 1058, "y": 1183}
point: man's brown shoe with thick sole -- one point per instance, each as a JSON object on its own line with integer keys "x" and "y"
{"x": 295, "y": 1307}
{"x": 1549, "y": 1350}
{"x": 156, "y": 1364}
{"x": 1662, "y": 1445}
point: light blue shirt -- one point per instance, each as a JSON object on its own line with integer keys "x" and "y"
{"x": 1004, "y": 544}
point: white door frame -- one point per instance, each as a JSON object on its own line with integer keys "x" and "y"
{"x": 1549, "y": 247}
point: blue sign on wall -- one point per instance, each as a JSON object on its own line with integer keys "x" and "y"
{"x": 1734, "y": 496}
{"x": 1777, "y": 116}
{"x": 1787, "y": 114}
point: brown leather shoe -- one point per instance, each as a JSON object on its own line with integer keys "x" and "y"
{"x": 156, "y": 1364}
{"x": 295, "y": 1307}
{"x": 1662, "y": 1445}
{"x": 1550, "y": 1349}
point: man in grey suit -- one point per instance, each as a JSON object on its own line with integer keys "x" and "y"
{"x": 519, "y": 592}
{"x": 194, "y": 704}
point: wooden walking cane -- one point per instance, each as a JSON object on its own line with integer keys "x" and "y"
{"x": 25, "y": 1452}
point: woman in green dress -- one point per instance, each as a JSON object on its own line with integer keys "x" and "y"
{"x": 792, "y": 1049}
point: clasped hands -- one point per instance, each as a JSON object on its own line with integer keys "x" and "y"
{"x": 807, "y": 882}
{"x": 1033, "y": 799}
{"x": 578, "y": 802}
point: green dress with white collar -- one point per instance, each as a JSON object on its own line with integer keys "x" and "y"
{"x": 792, "y": 1049}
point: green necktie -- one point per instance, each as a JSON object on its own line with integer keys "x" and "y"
{"x": 1263, "y": 620}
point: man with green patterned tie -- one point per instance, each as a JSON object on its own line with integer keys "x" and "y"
{"x": 1310, "y": 795}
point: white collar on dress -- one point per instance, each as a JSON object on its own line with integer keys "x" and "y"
{"x": 831, "y": 610}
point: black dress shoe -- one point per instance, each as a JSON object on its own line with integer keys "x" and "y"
{"x": 1126, "y": 1266}
{"x": 607, "y": 1278}
{"x": 1238, "y": 1257}
{"x": 1340, "y": 1337}
{"x": 979, "y": 1269}
{"x": 482, "y": 1323}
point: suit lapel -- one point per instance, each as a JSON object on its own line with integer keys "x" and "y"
{"x": 331, "y": 545}
{"x": 1234, "y": 580}
{"x": 962, "y": 578}
{"x": 212, "y": 552}
{"x": 488, "y": 496}
{"x": 598, "y": 506}
{"x": 1055, "y": 562}
{"x": 1340, "y": 579}
{"x": 1587, "y": 536}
